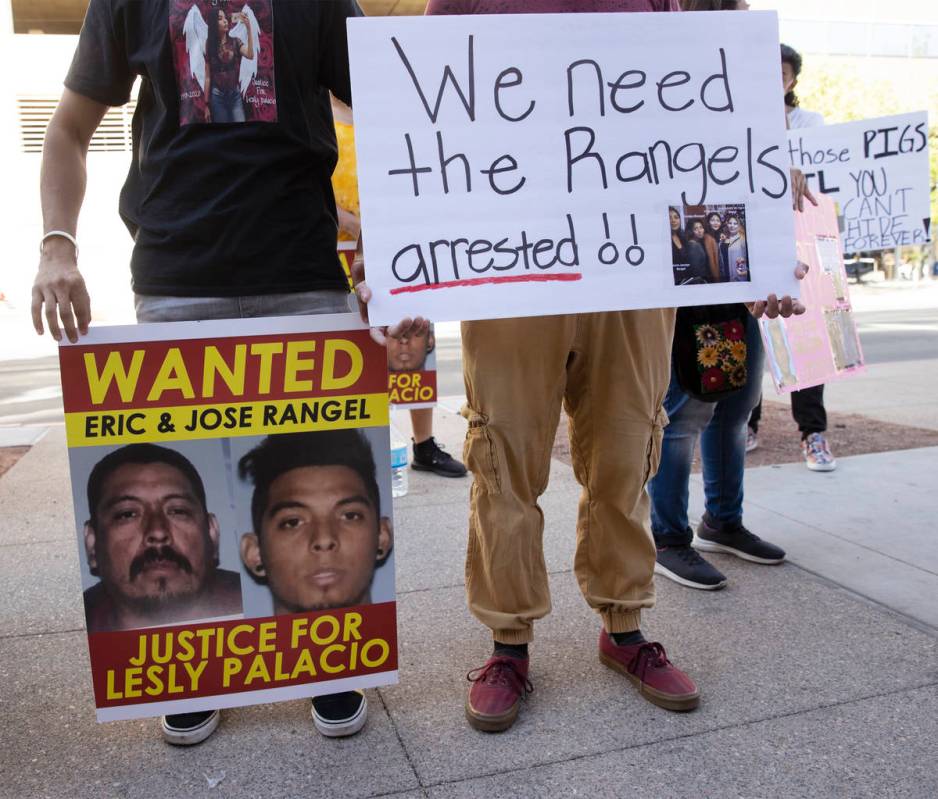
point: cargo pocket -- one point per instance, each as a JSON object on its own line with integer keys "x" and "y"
{"x": 480, "y": 453}
{"x": 653, "y": 451}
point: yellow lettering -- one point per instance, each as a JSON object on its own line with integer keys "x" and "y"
{"x": 258, "y": 671}
{"x": 267, "y": 637}
{"x": 140, "y": 658}
{"x": 266, "y": 353}
{"x": 296, "y": 364}
{"x": 230, "y": 667}
{"x": 174, "y": 687}
{"x": 304, "y": 665}
{"x": 324, "y": 659}
{"x": 232, "y": 376}
{"x": 352, "y": 621}
{"x": 195, "y": 673}
{"x": 172, "y": 376}
{"x": 372, "y": 662}
{"x": 300, "y": 627}
{"x": 329, "y": 637}
{"x": 233, "y": 645}
{"x": 330, "y": 381}
{"x": 186, "y": 650}
{"x": 279, "y": 673}
{"x": 155, "y": 687}
{"x": 132, "y": 680}
{"x": 98, "y": 384}
{"x": 112, "y": 692}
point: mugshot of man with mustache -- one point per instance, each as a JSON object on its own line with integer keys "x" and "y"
{"x": 153, "y": 544}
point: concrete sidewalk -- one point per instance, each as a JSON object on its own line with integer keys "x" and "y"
{"x": 819, "y": 677}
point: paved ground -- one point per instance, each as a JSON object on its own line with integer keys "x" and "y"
{"x": 809, "y": 688}
{"x": 819, "y": 677}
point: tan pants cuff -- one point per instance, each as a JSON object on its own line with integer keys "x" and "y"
{"x": 514, "y": 637}
{"x": 622, "y": 621}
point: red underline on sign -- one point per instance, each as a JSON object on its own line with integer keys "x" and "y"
{"x": 486, "y": 281}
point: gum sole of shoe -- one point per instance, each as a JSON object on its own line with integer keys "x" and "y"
{"x": 491, "y": 723}
{"x": 680, "y": 703}
{"x": 659, "y": 569}
{"x": 192, "y": 736}
{"x": 343, "y": 728}
{"x": 417, "y": 468}
{"x": 710, "y": 546}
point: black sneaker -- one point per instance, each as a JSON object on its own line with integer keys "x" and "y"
{"x": 187, "y": 729}
{"x": 431, "y": 457}
{"x": 340, "y": 715}
{"x": 736, "y": 540}
{"x": 685, "y": 566}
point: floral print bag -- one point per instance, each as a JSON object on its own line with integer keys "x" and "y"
{"x": 710, "y": 350}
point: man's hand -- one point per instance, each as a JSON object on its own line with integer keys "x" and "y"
{"x": 784, "y": 307}
{"x": 406, "y": 327}
{"x": 800, "y": 190}
{"x": 60, "y": 288}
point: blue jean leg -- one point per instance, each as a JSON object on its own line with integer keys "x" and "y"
{"x": 668, "y": 489}
{"x": 722, "y": 430}
{"x": 723, "y": 441}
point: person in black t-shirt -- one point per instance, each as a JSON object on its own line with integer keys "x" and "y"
{"x": 233, "y": 218}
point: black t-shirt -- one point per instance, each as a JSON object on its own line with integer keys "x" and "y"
{"x": 224, "y": 207}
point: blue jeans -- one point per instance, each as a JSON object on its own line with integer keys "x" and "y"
{"x": 151, "y": 308}
{"x": 226, "y": 106}
{"x": 722, "y": 430}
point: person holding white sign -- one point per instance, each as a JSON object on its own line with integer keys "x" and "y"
{"x": 807, "y": 405}
{"x": 610, "y": 370}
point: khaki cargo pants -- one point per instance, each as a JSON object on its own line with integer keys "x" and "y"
{"x": 610, "y": 371}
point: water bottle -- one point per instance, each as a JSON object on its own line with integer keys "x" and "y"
{"x": 398, "y": 464}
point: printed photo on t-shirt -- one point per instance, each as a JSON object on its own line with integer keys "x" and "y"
{"x": 223, "y": 52}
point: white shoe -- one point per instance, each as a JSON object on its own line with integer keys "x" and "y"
{"x": 817, "y": 455}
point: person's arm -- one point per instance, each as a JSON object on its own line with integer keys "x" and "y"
{"x": 247, "y": 50}
{"x": 713, "y": 257}
{"x": 208, "y": 89}
{"x": 59, "y": 290}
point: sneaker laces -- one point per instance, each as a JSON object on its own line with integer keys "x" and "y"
{"x": 816, "y": 446}
{"x": 504, "y": 672}
{"x": 650, "y": 654}
{"x": 688, "y": 554}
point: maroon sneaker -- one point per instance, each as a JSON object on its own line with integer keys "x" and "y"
{"x": 654, "y": 675}
{"x": 497, "y": 690}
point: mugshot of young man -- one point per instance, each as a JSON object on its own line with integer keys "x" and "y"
{"x": 316, "y": 511}
{"x": 152, "y": 543}
{"x": 409, "y": 353}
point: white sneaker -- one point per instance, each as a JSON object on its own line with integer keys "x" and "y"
{"x": 752, "y": 439}
{"x": 817, "y": 455}
{"x": 340, "y": 715}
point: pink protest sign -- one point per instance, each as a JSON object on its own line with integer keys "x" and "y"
{"x": 822, "y": 345}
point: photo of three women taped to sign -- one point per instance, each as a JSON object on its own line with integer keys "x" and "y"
{"x": 708, "y": 244}
{"x": 233, "y": 527}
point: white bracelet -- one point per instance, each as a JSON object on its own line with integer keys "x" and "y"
{"x": 61, "y": 233}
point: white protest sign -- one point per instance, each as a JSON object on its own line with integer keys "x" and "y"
{"x": 877, "y": 171}
{"x": 520, "y": 165}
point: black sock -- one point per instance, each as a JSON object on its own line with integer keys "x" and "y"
{"x": 512, "y": 650}
{"x": 628, "y": 639}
